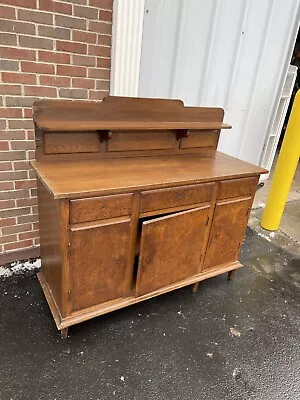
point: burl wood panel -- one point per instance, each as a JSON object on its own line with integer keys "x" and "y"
{"x": 170, "y": 249}
{"x": 50, "y": 248}
{"x": 71, "y": 142}
{"x": 237, "y": 187}
{"x": 178, "y": 196}
{"x": 95, "y": 208}
{"x": 137, "y": 141}
{"x": 227, "y": 231}
{"x": 98, "y": 262}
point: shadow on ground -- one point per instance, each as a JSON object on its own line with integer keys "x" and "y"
{"x": 177, "y": 346}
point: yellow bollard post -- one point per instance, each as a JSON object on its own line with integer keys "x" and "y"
{"x": 284, "y": 171}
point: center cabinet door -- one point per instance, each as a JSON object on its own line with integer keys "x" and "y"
{"x": 170, "y": 249}
{"x": 98, "y": 260}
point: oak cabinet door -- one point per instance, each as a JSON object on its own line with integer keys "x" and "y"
{"x": 227, "y": 232}
{"x": 98, "y": 260}
{"x": 170, "y": 249}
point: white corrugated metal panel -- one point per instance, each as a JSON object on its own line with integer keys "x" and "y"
{"x": 233, "y": 54}
{"x": 126, "y": 46}
{"x": 278, "y": 121}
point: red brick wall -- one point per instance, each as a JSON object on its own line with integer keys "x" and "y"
{"x": 53, "y": 49}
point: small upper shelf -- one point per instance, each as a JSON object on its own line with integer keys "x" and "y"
{"x": 78, "y": 125}
{"x": 117, "y": 113}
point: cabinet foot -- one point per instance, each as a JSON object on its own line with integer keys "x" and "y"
{"x": 230, "y": 274}
{"x": 195, "y": 287}
{"x": 64, "y": 333}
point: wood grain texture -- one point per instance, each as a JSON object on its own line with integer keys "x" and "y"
{"x": 117, "y": 102}
{"x": 113, "y": 305}
{"x": 65, "y": 259}
{"x": 142, "y": 104}
{"x": 173, "y": 197}
{"x": 98, "y": 261}
{"x": 50, "y": 300}
{"x": 95, "y": 208}
{"x": 100, "y": 177}
{"x": 52, "y": 115}
{"x": 84, "y": 124}
{"x": 50, "y": 248}
{"x": 137, "y": 141}
{"x": 134, "y": 201}
{"x": 237, "y": 187}
{"x": 170, "y": 210}
{"x": 170, "y": 249}
{"x": 200, "y": 139}
{"x": 71, "y": 142}
{"x": 227, "y": 231}
{"x": 209, "y": 225}
{"x": 103, "y": 154}
{"x": 129, "y": 282}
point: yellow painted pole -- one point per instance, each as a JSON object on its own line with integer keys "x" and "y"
{"x": 284, "y": 171}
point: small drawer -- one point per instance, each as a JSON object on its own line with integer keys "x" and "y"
{"x": 237, "y": 187}
{"x": 84, "y": 210}
{"x": 173, "y": 197}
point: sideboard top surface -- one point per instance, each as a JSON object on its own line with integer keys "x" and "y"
{"x": 80, "y": 178}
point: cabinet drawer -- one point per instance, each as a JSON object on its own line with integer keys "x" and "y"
{"x": 237, "y": 187}
{"x": 84, "y": 210}
{"x": 179, "y": 196}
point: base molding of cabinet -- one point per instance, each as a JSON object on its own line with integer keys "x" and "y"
{"x": 50, "y": 300}
{"x": 113, "y": 305}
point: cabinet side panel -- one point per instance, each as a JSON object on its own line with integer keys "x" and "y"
{"x": 49, "y": 223}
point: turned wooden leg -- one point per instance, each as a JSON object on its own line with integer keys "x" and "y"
{"x": 64, "y": 333}
{"x": 230, "y": 274}
{"x": 195, "y": 287}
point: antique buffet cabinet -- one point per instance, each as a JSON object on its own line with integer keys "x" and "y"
{"x": 134, "y": 201}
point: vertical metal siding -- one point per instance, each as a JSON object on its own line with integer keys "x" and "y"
{"x": 126, "y": 46}
{"x": 233, "y": 54}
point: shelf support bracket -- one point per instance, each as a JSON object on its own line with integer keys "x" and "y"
{"x": 104, "y": 135}
{"x": 181, "y": 133}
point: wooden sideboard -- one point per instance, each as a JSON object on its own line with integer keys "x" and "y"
{"x": 134, "y": 201}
